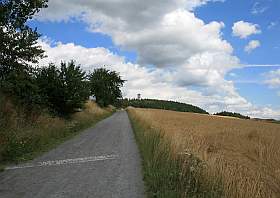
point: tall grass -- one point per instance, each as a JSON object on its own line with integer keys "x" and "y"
{"x": 244, "y": 154}
{"x": 22, "y": 138}
{"x": 169, "y": 174}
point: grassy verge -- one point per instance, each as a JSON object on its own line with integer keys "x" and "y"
{"x": 24, "y": 142}
{"x": 168, "y": 174}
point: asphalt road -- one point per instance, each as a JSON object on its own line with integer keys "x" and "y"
{"x": 101, "y": 162}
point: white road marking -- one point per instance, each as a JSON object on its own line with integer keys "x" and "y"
{"x": 65, "y": 161}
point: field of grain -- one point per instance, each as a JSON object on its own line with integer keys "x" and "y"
{"x": 244, "y": 153}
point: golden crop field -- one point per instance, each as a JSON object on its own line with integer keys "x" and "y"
{"x": 244, "y": 153}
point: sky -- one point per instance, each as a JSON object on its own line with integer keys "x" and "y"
{"x": 216, "y": 54}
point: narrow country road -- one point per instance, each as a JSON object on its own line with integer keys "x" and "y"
{"x": 101, "y": 162}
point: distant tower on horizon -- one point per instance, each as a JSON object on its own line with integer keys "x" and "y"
{"x": 139, "y": 96}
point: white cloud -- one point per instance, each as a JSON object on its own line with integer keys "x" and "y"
{"x": 184, "y": 49}
{"x": 273, "y": 78}
{"x": 156, "y": 83}
{"x": 278, "y": 93}
{"x": 161, "y": 32}
{"x": 151, "y": 84}
{"x": 273, "y": 83}
{"x": 272, "y": 25}
{"x": 265, "y": 112}
{"x": 252, "y": 45}
{"x": 123, "y": 12}
{"x": 178, "y": 37}
{"x": 244, "y": 29}
{"x": 258, "y": 8}
{"x": 139, "y": 11}
{"x": 192, "y": 4}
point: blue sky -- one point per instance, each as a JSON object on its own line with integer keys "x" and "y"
{"x": 143, "y": 43}
{"x": 249, "y": 80}
{"x": 231, "y": 11}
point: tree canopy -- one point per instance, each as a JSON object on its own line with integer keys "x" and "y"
{"x": 61, "y": 89}
{"x": 105, "y": 86}
{"x": 19, "y": 49}
{"x": 18, "y": 41}
{"x": 64, "y": 89}
{"x": 230, "y": 114}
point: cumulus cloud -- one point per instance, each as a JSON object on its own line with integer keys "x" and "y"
{"x": 156, "y": 83}
{"x": 139, "y": 11}
{"x": 252, "y": 45}
{"x": 161, "y": 32}
{"x": 184, "y": 50}
{"x": 244, "y": 29}
{"x": 273, "y": 78}
{"x": 178, "y": 37}
{"x": 150, "y": 83}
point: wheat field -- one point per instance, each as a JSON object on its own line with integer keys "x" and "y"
{"x": 244, "y": 153}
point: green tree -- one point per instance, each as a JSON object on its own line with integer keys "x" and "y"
{"x": 231, "y": 114}
{"x": 65, "y": 89}
{"x": 105, "y": 86}
{"x": 19, "y": 48}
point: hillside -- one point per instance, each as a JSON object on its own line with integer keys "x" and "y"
{"x": 162, "y": 104}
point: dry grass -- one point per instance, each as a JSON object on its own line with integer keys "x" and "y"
{"x": 91, "y": 111}
{"x": 244, "y": 153}
{"x": 23, "y": 138}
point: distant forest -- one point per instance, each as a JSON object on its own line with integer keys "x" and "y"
{"x": 230, "y": 114}
{"x": 161, "y": 104}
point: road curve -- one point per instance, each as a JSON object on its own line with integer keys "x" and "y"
{"x": 101, "y": 162}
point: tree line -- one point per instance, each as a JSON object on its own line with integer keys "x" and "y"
{"x": 161, "y": 104}
{"x": 231, "y": 114}
{"x": 62, "y": 89}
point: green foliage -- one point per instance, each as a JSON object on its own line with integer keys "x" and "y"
{"x": 18, "y": 41}
{"x": 22, "y": 88}
{"x": 161, "y": 104}
{"x": 230, "y": 114}
{"x": 3, "y": 118}
{"x": 105, "y": 86}
{"x": 19, "y": 48}
{"x": 26, "y": 92}
{"x": 65, "y": 89}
